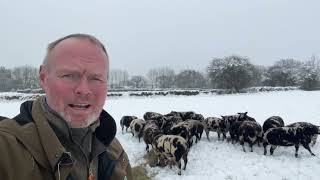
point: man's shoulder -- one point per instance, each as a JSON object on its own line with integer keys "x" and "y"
{"x": 115, "y": 149}
{"x": 8, "y": 128}
{"x": 9, "y": 125}
{"x": 13, "y": 133}
{"x": 11, "y": 128}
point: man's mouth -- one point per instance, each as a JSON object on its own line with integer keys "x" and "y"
{"x": 79, "y": 106}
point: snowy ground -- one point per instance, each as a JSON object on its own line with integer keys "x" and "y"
{"x": 222, "y": 160}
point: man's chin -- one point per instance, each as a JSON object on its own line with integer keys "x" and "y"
{"x": 81, "y": 123}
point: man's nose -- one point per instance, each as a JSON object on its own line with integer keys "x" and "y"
{"x": 83, "y": 87}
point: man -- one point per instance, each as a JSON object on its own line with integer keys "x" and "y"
{"x": 66, "y": 134}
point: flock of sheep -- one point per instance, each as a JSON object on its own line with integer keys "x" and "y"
{"x": 171, "y": 135}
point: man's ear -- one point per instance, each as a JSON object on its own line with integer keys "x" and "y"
{"x": 42, "y": 76}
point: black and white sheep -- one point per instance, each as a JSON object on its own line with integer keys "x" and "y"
{"x": 125, "y": 122}
{"x": 272, "y": 122}
{"x": 250, "y": 132}
{"x": 172, "y": 148}
{"x": 290, "y": 136}
{"x": 136, "y": 127}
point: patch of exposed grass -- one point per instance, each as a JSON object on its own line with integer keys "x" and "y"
{"x": 140, "y": 173}
{"x": 152, "y": 159}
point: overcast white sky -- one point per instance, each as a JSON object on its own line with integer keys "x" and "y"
{"x": 182, "y": 34}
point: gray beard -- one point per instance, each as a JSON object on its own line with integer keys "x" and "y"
{"x": 90, "y": 120}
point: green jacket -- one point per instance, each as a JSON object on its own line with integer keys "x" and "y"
{"x": 30, "y": 149}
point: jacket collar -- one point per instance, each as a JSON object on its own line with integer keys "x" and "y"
{"x": 31, "y": 111}
{"x": 50, "y": 143}
{"x": 105, "y": 132}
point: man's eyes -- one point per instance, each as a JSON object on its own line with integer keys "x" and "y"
{"x": 97, "y": 79}
{"x": 75, "y": 77}
{"x": 68, "y": 76}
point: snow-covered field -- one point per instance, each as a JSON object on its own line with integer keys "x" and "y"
{"x": 222, "y": 160}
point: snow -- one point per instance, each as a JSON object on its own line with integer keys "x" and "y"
{"x": 217, "y": 159}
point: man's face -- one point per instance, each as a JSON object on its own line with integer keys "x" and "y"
{"x": 75, "y": 81}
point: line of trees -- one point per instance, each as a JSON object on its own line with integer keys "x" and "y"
{"x": 236, "y": 73}
{"x": 22, "y": 77}
{"x": 232, "y": 72}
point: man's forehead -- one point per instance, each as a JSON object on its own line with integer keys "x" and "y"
{"x": 78, "y": 47}
{"x": 68, "y": 69}
{"x": 72, "y": 44}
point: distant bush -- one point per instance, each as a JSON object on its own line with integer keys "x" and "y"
{"x": 269, "y": 89}
{"x": 28, "y": 96}
{"x": 12, "y": 97}
{"x": 141, "y": 94}
{"x": 24, "y": 90}
{"x": 185, "y": 93}
{"x": 19, "y": 97}
{"x": 161, "y": 93}
{"x": 114, "y": 94}
{"x": 29, "y": 91}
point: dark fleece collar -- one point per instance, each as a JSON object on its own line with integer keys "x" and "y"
{"x": 105, "y": 132}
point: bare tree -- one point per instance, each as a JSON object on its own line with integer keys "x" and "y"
{"x": 231, "y": 72}
{"x": 26, "y": 76}
{"x": 161, "y": 77}
{"x": 190, "y": 79}
{"x": 284, "y": 72}
{"x": 138, "y": 81}
{"x": 6, "y": 82}
{"x": 310, "y": 74}
{"x": 152, "y": 77}
{"x": 165, "y": 81}
{"x": 118, "y": 78}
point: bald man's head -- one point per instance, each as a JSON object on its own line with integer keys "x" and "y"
{"x": 88, "y": 37}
